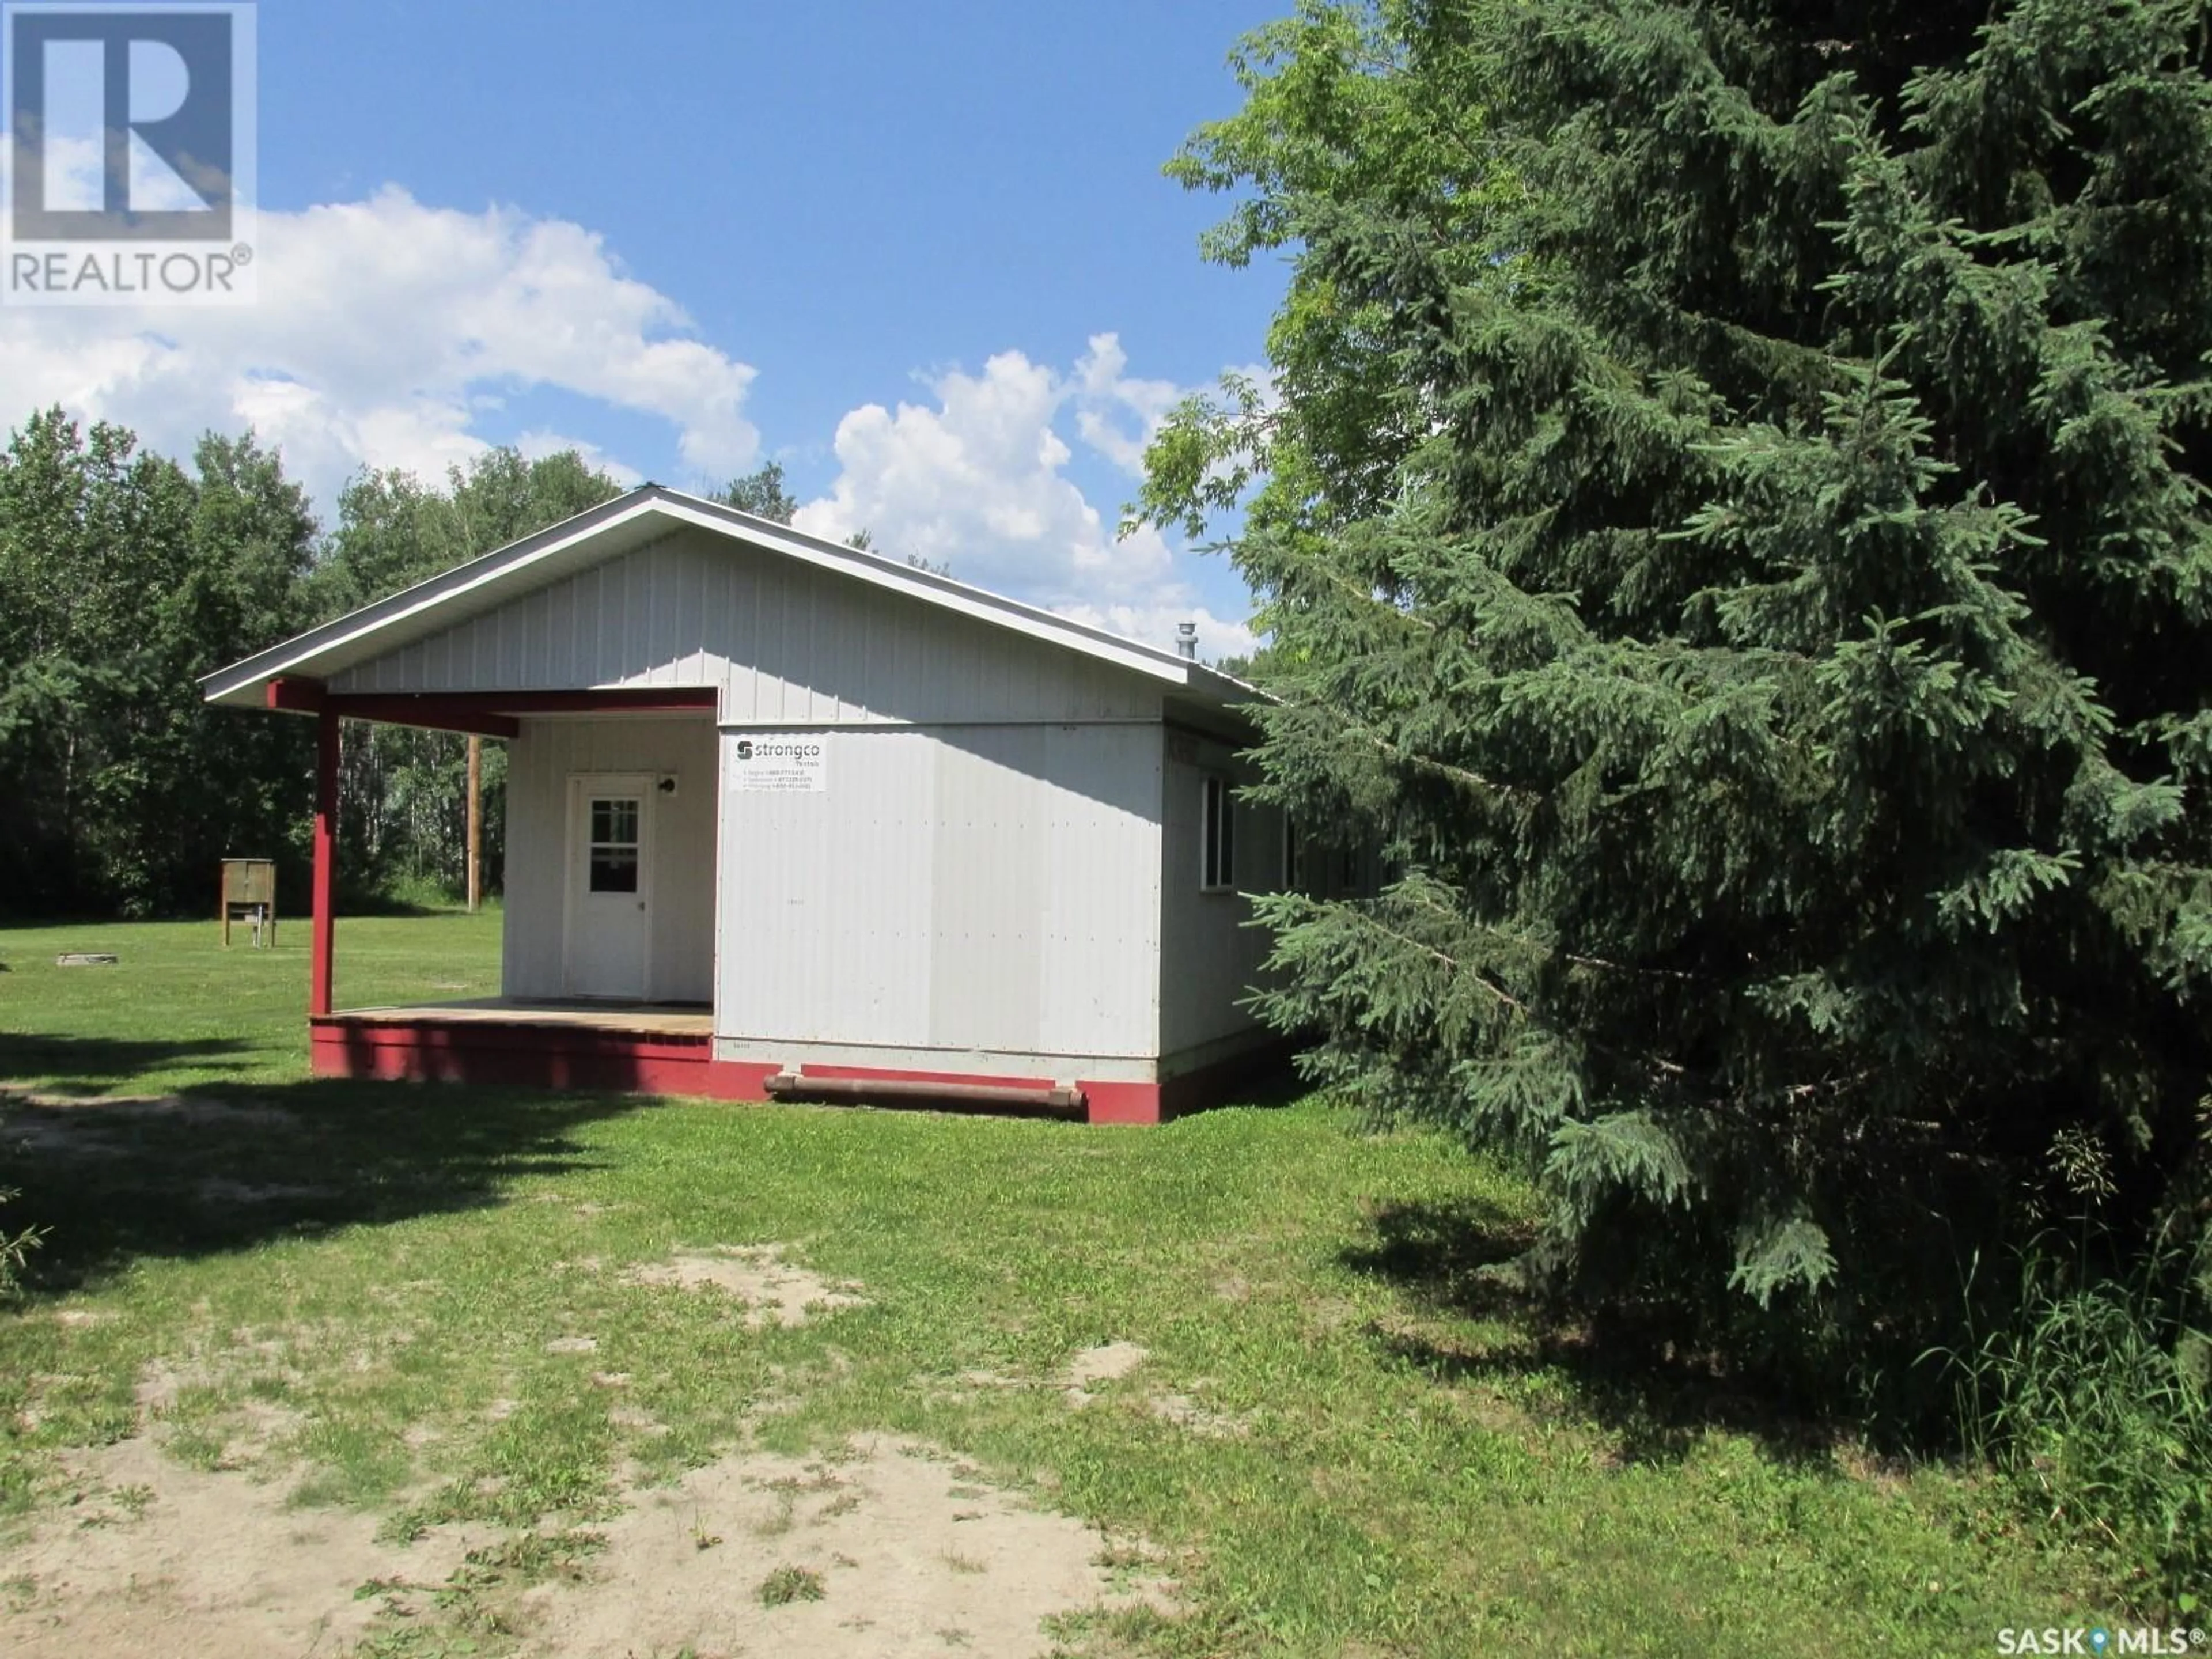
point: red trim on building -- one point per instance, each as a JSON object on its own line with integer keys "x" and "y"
{"x": 1123, "y": 1102}
{"x": 643, "y": 700}
{"x": 420, "y": 1049}
{"x": 430, "y": 713}
{"x": 294, "y": 696}
{"x": 327, "y": 862}
{"x": 537, "y": 1056}
{"x": 485, "y": 713}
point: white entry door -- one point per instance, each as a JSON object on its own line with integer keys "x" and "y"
{"x": 609, "y": 933}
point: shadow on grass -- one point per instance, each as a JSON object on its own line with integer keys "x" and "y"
{"x": 388, "y": 906}
{"x": 114, "y": 1182}
{"x": 1621, "y": 1369}
{"x": 103, "y": 1065}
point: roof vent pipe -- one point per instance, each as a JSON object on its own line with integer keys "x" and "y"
{"x": 1187, "y": 641}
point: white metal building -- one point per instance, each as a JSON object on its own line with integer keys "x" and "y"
{"x": 784, "y": 816}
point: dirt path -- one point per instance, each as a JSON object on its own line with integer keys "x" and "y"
{"x": 891, "y": 1550}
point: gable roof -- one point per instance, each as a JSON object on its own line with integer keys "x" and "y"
{"x": 631, "y": 522}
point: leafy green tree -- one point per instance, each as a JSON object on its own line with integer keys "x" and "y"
{"x": 1730, "y": 507}
{"x": 762, "y": 493}
{"x": 402, "y": 810}
{"x": 126, "y": 580}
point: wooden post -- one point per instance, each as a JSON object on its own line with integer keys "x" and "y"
{"x": 326, "y": 861}
{"x": 475, "y": 822}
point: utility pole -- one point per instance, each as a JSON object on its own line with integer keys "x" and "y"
{"x": 475, "y": 823}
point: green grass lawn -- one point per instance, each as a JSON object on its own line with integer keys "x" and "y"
{"x": 180, "y": 1011}
{"x": 1384, "y": 1454}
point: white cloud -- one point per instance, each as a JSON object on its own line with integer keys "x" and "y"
{"x": 535, "y": 445}
{"x": 386, "y": 332}
{"x": 1218, "y": 636}
{"x": 389, "y": 333}
{"x": 977, "y": 480}
{"x": 1106, "y": 397}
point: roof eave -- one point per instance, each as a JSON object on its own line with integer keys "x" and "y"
{"x": 241, "y": 684}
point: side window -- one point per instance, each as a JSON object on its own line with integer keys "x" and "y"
{"x": 1218, "y": 872}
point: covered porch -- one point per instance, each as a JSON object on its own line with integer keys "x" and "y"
{"x": 549, "y": 1042}
{"x": 587, "y": 825}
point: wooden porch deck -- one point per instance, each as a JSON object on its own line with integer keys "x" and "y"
{"x": 673, "y": 1019}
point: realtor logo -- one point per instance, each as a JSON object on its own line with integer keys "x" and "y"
{"x": 130, "y": 153}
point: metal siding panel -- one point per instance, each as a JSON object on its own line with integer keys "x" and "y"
{"x": 695, "y": 585}
{"x": 954, "y": 888}
{"x": 786, "y": 643}
{"x": 554, "y": 665}
{"x": 742, "y": 629}
{"x": 987, "y": 948}
{"x": 826, "y": 908}
{"x": 768, "y": 640}
{"x": 659, "y": 639}
{"x": 1101, "y": 959}
{"x": 611, "y": 664}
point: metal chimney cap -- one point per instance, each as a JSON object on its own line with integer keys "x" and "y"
{"x": 1186, "y": 640}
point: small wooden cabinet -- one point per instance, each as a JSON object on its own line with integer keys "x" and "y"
{"x": 249, "y": 894}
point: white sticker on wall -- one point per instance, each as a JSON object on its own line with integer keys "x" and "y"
{"x": 779, "y": 763}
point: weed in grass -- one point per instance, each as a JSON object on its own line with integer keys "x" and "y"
{"x": 953, "y": 1637}
{"x": 702, "y": 1539}
{"x": 537, "y": 1558}
{"x": 2091, "y": 1405}
{"x": 198, "y": 1446}
{"x": 787, "y": 1584}
{"x": 963, "y": 1563}
{"x": 776, "y": 1525}
{"x": 131, "y": 1500}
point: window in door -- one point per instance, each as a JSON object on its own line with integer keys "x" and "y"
{"x": 614, "y": 845}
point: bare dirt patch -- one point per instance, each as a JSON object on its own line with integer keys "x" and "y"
{"x": 1107, "y": 1363}
{"x": 1199, "y": 1419}
{"x": 160, "y": 1559}
{"x": 775, "y": 1289}
{"x": 889, "y": 1551}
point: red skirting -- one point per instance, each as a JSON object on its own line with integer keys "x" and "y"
{"x": 551, "y": 1057}
{"x": 534, "y": 1056}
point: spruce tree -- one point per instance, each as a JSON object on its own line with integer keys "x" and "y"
{"x": 1732, "y": 517}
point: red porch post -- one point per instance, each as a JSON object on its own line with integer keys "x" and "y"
{"x": 327, "y": 857}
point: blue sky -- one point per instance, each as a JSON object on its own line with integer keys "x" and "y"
{"x": 923, "y": 255}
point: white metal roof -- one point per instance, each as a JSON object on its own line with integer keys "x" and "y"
{"x": 631, "y": 522}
